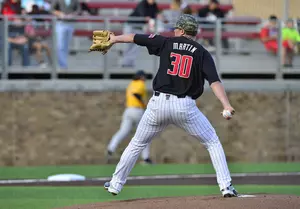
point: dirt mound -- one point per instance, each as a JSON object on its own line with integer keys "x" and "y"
{"x": 201, "y": 202}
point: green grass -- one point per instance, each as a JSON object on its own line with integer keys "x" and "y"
{"x": 107, "y": 170}
{"x": 51, "y": 197}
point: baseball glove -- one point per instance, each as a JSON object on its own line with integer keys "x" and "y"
{"x": 101, "y": 41}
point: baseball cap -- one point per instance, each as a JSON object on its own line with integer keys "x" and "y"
{"x": 188, "y": 23}
{"x": 140, "y": 73}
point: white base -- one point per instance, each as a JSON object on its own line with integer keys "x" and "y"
{"x": 66, "y": 177}
{"x": 246, "y": 195}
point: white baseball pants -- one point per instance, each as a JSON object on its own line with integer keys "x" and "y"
{"x": 163, "y": 110}
{"x": 131, "y": 117}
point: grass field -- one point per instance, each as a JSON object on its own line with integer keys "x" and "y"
{"x": 141, "y": 170}
{"x": 51, "y": 197}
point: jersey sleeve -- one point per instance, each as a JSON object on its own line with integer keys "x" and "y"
{"x": 154, "y": 43}
{"x": 209, "y": 68}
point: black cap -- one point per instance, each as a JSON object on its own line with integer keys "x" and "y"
{"x": 140, "y": 73}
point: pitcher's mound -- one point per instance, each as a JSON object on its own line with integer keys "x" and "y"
{"x": 202, "y": 202}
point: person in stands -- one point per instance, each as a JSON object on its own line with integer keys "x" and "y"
{"x": 211, "y": 13}
{"x": 146, "y": 9}
{"x": 269, "y": 37}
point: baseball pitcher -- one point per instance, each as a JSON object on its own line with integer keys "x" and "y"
{"x": 184, "y": 67}
{"x": 136, "y": 95}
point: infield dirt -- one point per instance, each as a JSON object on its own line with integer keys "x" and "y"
{"x": 260, "y": 201}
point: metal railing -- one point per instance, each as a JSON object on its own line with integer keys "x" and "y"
{"x": 88, "y": 23}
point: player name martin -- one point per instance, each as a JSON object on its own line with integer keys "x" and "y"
{"x": 182, "y": 46}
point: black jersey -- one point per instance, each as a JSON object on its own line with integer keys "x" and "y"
{"x": 184, "y": 64}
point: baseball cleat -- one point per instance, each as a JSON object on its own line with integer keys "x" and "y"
{"x": 229, "y": 192}
{"x": 110, "y": 189}
{"x": 148, "y": 161}
{"x": 106, "y": 185}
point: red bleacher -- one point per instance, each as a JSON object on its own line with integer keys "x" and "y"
{"x": 244, "y": 20}
{"x": 204, "y": 34}
{"x": 240, "y": 20}
{"x": 132, "y": 5}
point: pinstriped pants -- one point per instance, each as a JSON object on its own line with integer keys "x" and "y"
{"x": 161, "y": 111}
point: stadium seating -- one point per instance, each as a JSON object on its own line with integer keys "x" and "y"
{"x": 122, "y": 5}
{"x": 131, "y": 5}
{"x": 235, "y": 32}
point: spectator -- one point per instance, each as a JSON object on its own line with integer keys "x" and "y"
{"x": 11, "y": 7}
{"x": 211, "y": 13}
{"x": 269, "y": 37}
{"x": 171, "y": 15}
{"x": 65, "y": 10}
{"x": 147, "y": 9}
{"x": 36, "y": 10}
{"x": 18, "y": 40}
{"x": 291, "y": 38}
{"x": 36, "y": 43}
{"x": 16, "y": 36}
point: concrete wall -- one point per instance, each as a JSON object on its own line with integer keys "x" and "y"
{"x": 264, "y": 8}
{"x": 74, "y": 128}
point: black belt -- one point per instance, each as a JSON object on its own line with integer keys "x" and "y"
{"x": 156, "y": 93}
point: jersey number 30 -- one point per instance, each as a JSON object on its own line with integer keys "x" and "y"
{"x": 181, "y": 65}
